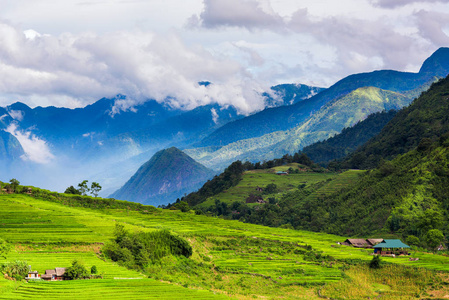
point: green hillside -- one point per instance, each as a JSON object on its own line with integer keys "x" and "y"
{"x": 426, "y": 118}
{"x": 168, "y": 175}
{"x": 329, "y": 120}
{"x": 349, "y": 139}
{"x": 230, "y": 259}
{"x": 273, "y": 132}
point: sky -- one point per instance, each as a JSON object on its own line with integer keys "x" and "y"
{"x": 71, "y": 53}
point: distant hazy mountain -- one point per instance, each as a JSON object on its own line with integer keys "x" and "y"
{"x": 287, "y": 117}
{"x": 10, "y": 148}
{"x": 333, "y": 117}
{"x": 168, "y": 175}
{"x": 290, "y": 93}
{"x": 287, "y": 129}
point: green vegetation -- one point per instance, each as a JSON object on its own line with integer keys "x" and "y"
{"x": 137, "y": 250}
{"x": 349, "y": 138}
{"x": 17, "y": 269}
{"x": 76, "y": 271}
{"x": 425, "y": 118}
{"x": 231, "y": 258}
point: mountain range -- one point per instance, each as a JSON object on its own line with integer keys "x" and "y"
{"x": 286, "y": 129}
{"x": 110, "y": 139}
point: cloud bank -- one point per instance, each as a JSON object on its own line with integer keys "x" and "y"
{"x": 141, "y": 65}
{"x": 36, "y": 150}
{"x": 241, "y": 46}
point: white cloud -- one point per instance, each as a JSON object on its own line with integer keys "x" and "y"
{"x": 251, "y": 14}
{"x": 141, "y": 65}
{"x": 398, "y": 3}
{"x": 16, "y": 114}
{"x": 36, "y": 150}
{"x": 214, "y": 115}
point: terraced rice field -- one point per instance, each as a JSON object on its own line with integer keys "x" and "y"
{"x": 107, "y": 289}
{"x": 261, "y": 178}
{"x": 337, "y": 183}
{"x": 49, "y": 235}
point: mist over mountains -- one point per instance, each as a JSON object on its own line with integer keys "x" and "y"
{"x": 110, "y": 139}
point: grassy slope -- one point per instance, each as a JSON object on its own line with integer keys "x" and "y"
{"x": 229, "y": 258}
{"x": 261, "y": 178}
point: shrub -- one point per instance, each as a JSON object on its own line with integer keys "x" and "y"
{"x": 93, "y": 270}
{"x": 375, "y": 263}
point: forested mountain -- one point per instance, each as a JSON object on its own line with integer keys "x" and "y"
{"x": 349, "y": 139}
{"x": 287, "y": 117}
{"x": 405, "y": 196}
{"x": 427, "y": 117}
{"x": 274, "y": 132}
{"x": 168, "y": 175}
{"x": 329, "y": 120}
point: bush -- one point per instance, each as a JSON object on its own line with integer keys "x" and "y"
{"x": 375, "y": 263}
{"x": 93, "y": 270}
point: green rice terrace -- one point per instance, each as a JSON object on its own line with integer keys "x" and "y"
{"x": 255, "y": 182}
{"x": 229, "y": 259}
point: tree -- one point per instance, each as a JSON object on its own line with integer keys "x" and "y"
{"x": 83, "y": 188}
{"x": 95, "y": 188}
{"x": 4, "y": 248}
{"x": 14, "y": 184}
{"x": 270, "y": 188}
{"x": 72, "y": 190}
{"x": 182, "y": 206}
{"x": 375, "y": 263}
{"x": 93, "y": 270}
{"x": 76, "y": 271}
{"x": 412, "y": 240}
{"x": 434, "y": 238}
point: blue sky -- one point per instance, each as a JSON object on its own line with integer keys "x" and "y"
{"x": 73, "y": 52}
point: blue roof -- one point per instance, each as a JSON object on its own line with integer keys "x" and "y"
{"x": 391, "y": 244}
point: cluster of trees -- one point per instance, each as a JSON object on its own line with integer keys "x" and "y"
{"x": 137, "y": 250}
{"x": 12, "y": 186}
{"x": 78, "y": 271}
{"x": 84, "y": 189}
{"x": 16, "y": 270}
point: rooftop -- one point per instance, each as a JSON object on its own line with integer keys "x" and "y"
{"x": 391, "y": 244}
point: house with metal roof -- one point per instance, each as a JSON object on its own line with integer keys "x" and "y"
{"x": 391, "y": 247}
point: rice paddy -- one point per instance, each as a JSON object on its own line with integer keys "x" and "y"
{"x": 231, "y": 259}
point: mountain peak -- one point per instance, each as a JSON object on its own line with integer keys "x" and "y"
{"x": 437, "y": 63}
{"x": 168, "y": 175}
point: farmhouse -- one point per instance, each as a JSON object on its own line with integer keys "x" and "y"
{"x": 374, "y": 242}
{"x": 358, "y": 243}
{"x": 281, "y": 173}
{"x": 362, "y": 243}
{"x": 56, "y": 274}
{"x": 33, "y": 275}
{"x": 390, "y": 247}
